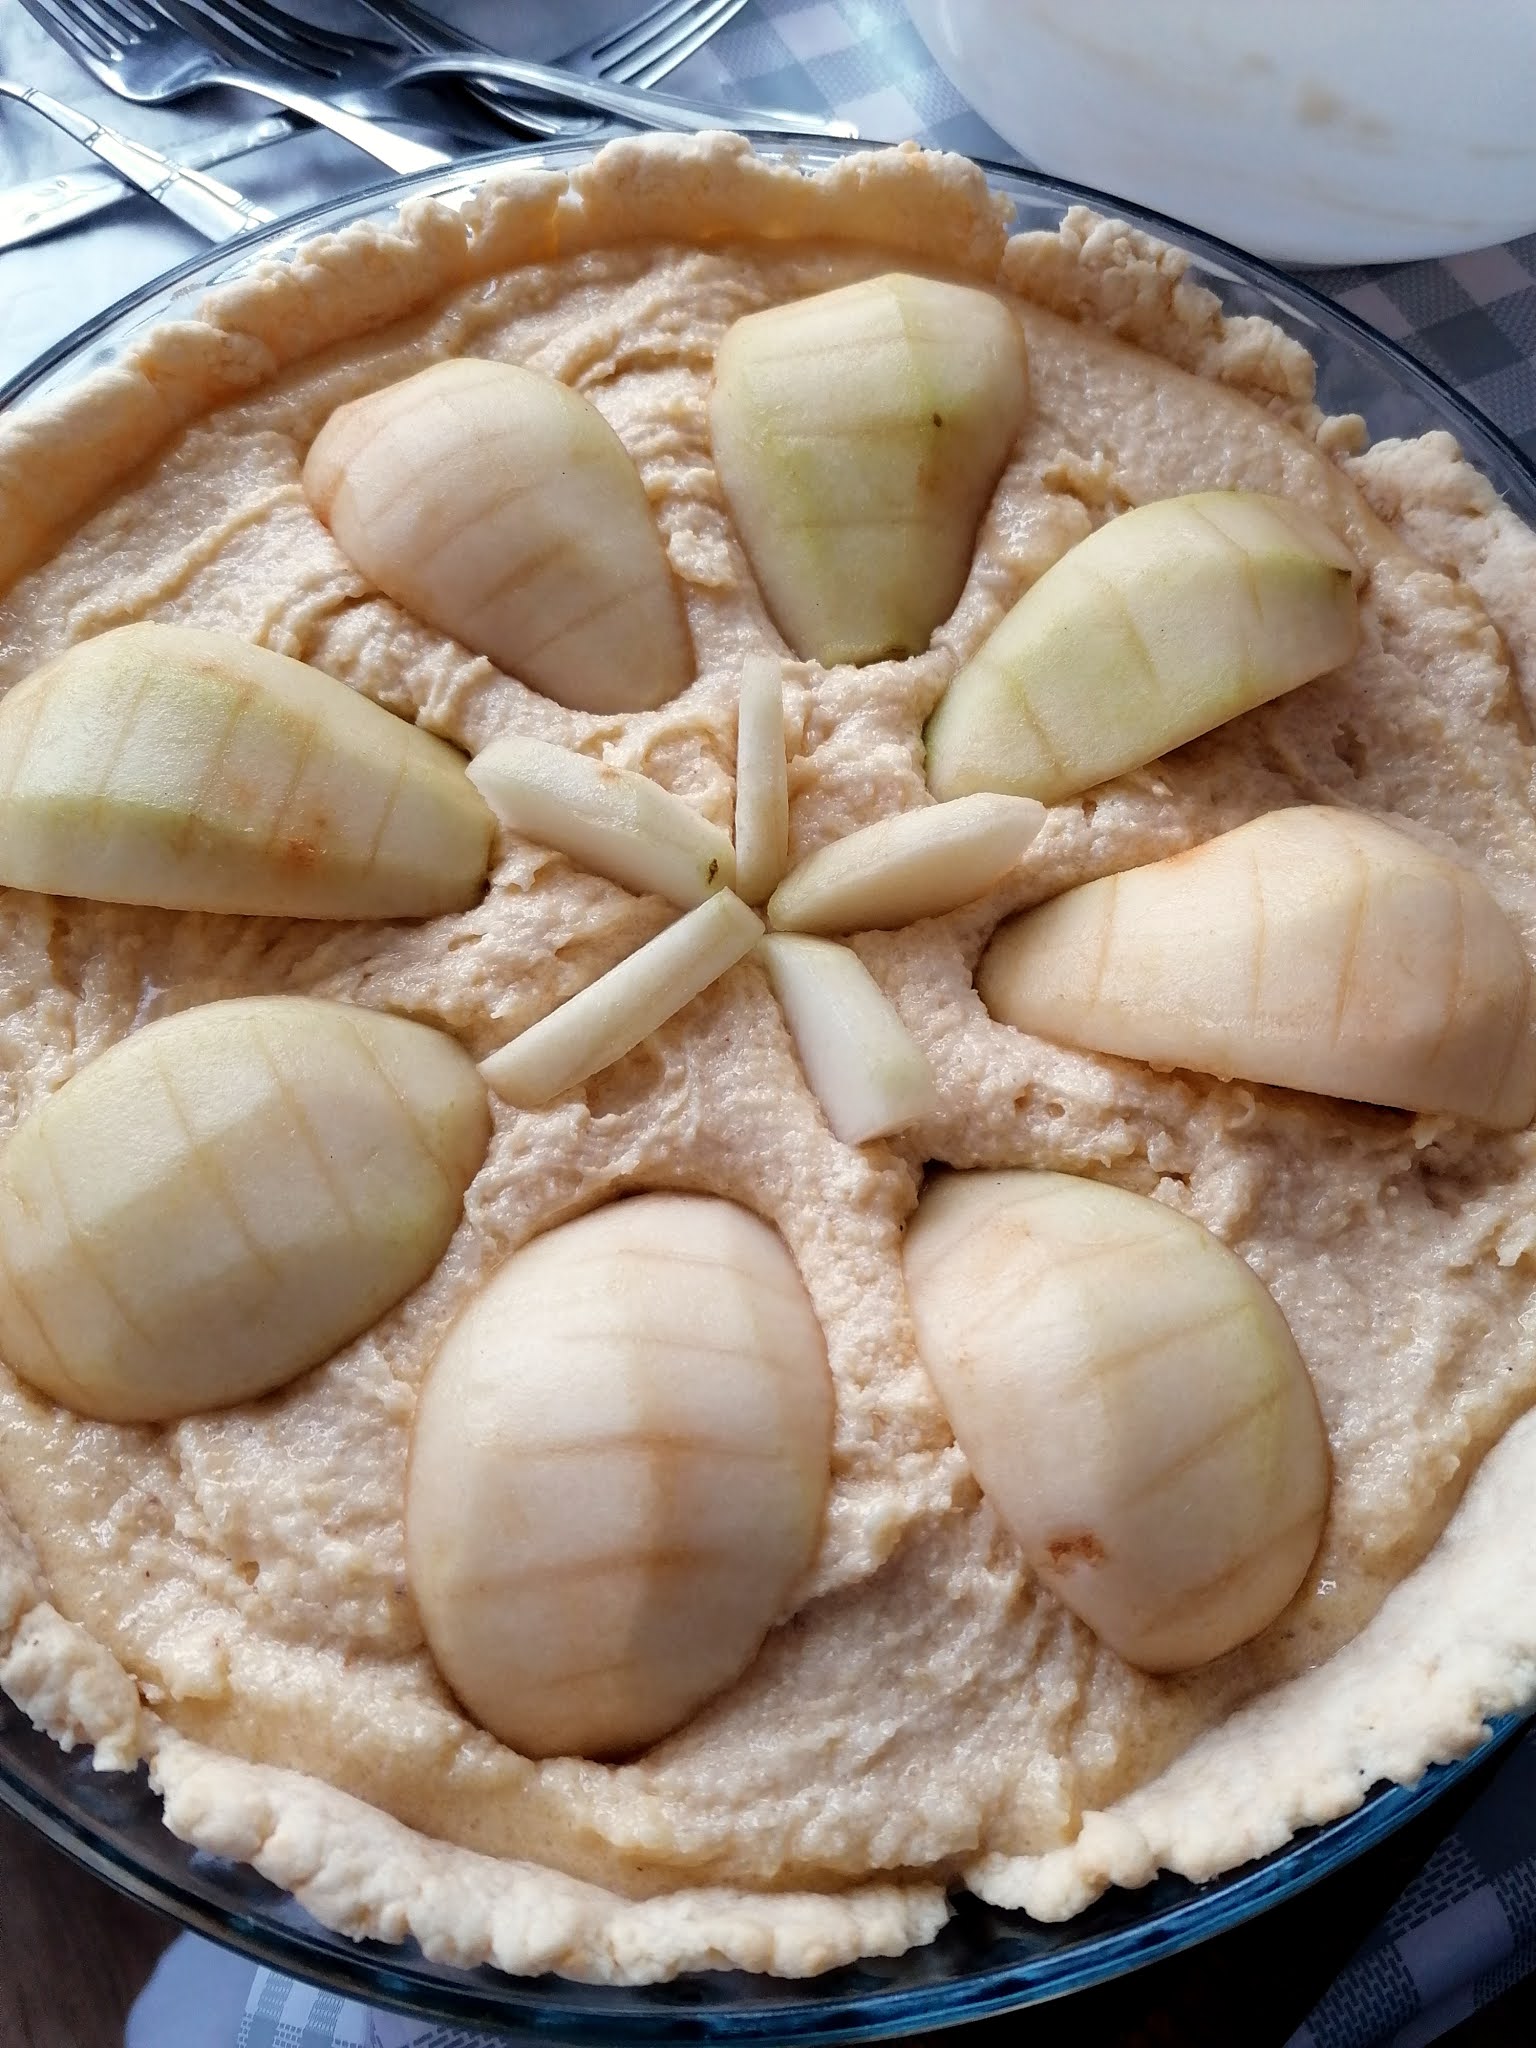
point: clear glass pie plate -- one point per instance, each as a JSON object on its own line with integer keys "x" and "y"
{"x": 985, "y": 1961}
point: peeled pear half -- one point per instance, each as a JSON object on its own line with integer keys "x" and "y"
{"x": 1158, "y": 627}
{"x": 618, "y": 1470}
{"x": 166, "y": 765}
{"x": 858, "y": 436}
{"x": 499, "y": 506}
{"x": 1313, "y": 948}
{"x": 1131, "y": 1400}
{"x": 225, "y": 1198}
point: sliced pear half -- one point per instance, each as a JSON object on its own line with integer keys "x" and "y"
{"x": 619, "y": 1466}
{"x": 499, "y": 506}
{"x": 226, "y": 1197}
{"x": 1313, "y": 948}
{"x": 1158, "y": 627}
{"x": 1131, "y": 1400}
{"x": 165, "y": 765}
{"x": 858, "y": 436}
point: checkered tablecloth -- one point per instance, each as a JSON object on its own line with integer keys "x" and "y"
{"x": 1463, "y": 1932}
{"x": 1465, "y": 1929}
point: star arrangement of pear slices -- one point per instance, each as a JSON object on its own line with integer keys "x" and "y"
{"x": 232, "y": 1193}
{"x": 869, "y": 1074}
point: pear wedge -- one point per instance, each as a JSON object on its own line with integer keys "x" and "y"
{"x": 164, "y": 765}
{"x": 611, "y": 820}
{"x": 499, "y": 506}
{"x": 762, "y": 781}
{"x": 609, "y": 1017}
{"x": 858, "y": 437}
{"x": 1313, "y": 948}
{"x": 1158, "y": 627}
{"x": 916, "y": 864}
{"x": 865, "y": 1068}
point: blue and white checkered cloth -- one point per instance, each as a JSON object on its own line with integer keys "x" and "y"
{"x": 1465, "y": 1929}
{"x": 1463, "y": 1932}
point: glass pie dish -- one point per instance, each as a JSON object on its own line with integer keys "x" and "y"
{"x": 986, "y": 1961}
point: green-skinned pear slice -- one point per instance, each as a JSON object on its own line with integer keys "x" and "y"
{"x": 611, "y": 820}
{"x": 225, "y": 1198}
{"x": 1313, "y": 948}
{"x": 869, "y": 1074}
{"x": 186, "y": 769}
{"x": 1132, "y": 1402}
{"x": 858, "y": 436}
{"x": 916, "y": 864}
{"x": 1158, "y": 627}
{"x": 614, "y": 1013}
{"x": 499, "y": 506}
{"x": 619, "y": 1466}
{"x": 762, "y": 781}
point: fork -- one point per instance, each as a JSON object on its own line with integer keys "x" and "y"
{"x": 214, "y": 209}
{"x": 640, "y": 51}
{"x": 635, "y": 52}
{"x": 250, "y": 28}
{"x": 144, "y": 54}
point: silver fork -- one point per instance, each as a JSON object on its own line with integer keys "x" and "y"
{"x": 645, "y": 49}
{"x": 250, "y": 26}
{"x": 639, "y": 51}
{"x": 635, "y": 52}
{"x": 144, "y": 55}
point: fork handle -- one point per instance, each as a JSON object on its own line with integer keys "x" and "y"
{"x": 394, "y": 151}
{"x": 644, "y": 109}
{"x": 215, "y": 210}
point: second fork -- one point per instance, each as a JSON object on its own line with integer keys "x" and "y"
{"x": 234, "y": 24}
{"x": 154, "y": 54}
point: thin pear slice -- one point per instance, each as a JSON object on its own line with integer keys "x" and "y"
{"x": 916, "y": 864}
{"x": 499, "y": 506}
{"x": 762, "y": 781}
{"x": 619, "y": 1466}
{"x": 865, "y": 1068}
{"x": 225, "y": 1198}
{"x": 611, "y": 820}
{"x": 611, "y": 1016}
{"x": 1129, "y": 1396}
{"x": 1312, "y": 948}
{"x": 186, "y": 769}
{"x": 1167, "y": 622}
{"x": 858, "y": 437}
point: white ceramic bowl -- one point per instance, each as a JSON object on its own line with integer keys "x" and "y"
{"x": 1310, "y": 131}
